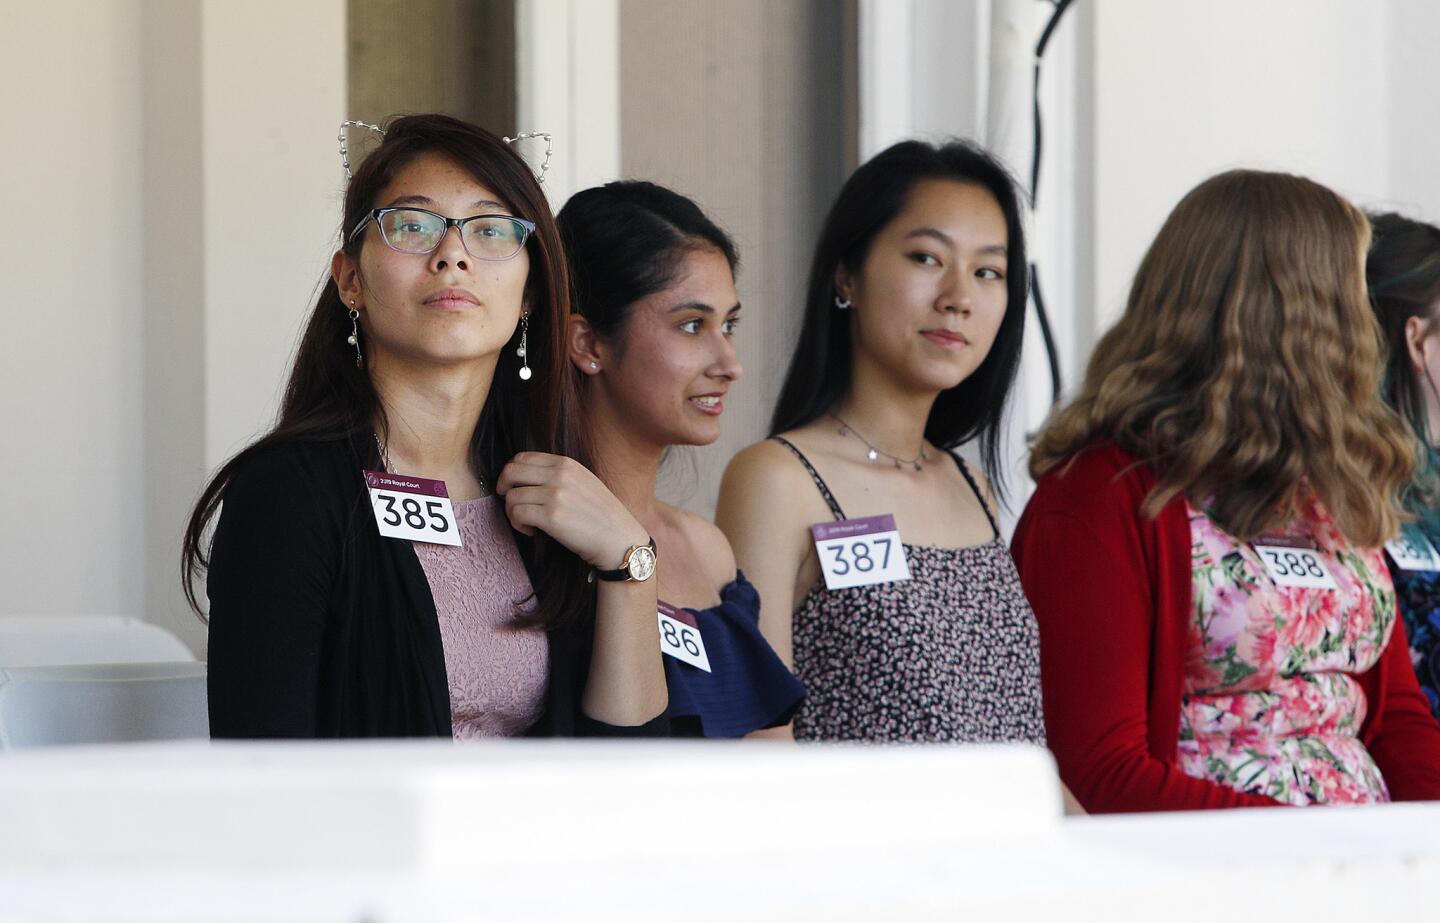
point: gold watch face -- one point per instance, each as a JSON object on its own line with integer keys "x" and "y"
{"x": 642, "y": 563}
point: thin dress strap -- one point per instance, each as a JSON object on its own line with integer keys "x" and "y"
{"x": 815, "y": 476}
{"x": 965, "y": 470}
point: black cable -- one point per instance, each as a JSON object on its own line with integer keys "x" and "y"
{"x": 1060, "y": 7}
{"x": 1051, "y": 353}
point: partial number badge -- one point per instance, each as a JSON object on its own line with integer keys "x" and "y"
{"x": 414, "y": 508}
{"x": 1294, "y": 561}
{"x": 680, "y": 636}
{"x": 859, "y": 552}
{"x": 1412, "y": 551}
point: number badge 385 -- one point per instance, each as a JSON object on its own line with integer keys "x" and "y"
{"x": 411, "y": 507}
{"x": 859, "y": 552}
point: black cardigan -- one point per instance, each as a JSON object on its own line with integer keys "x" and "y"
{"x": 321, "y": 627}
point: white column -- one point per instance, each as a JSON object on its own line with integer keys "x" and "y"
{"x": 242, "y": 185}
{"x": 567, "y": 61}
{"x": 886, "y": 51}
{"x": 274, "y": 94}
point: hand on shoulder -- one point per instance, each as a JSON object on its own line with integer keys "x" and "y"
{"x": 565, "y": 500}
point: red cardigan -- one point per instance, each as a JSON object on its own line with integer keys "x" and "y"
{"x": 1111, "y": 590}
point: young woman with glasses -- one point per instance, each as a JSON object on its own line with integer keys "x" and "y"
{"x": 652, "y": 341}
{"x": 1203, "y": 548}
{"x": 881, "y": 570}
{"x": 429, "y": 399}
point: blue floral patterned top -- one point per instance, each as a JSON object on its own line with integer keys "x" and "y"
{"x": 1417, "y": 593}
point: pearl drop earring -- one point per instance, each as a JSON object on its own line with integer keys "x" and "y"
{"x": 354, "y": 338}
{"x": 524, "y": 347}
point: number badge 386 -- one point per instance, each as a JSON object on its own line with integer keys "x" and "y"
{"x": 411, "y": 507}
{"x": 859, "y": 552}
{"x": 680, "y": 637}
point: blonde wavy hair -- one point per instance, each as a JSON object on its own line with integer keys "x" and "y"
{"x": 1246, "y": 367}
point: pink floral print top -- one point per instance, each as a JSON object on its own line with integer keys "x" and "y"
{"x": 1270, "y": 706}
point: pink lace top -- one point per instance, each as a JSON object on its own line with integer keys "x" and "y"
{"x": 1270, "y": 704}
{"x": 497, "y": 673}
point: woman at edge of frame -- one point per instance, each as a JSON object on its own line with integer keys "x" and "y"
{"x": 1403, "y": 272}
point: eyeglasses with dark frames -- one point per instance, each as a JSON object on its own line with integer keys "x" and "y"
{"x": 408, "y": 229}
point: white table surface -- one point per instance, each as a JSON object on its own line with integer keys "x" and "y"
{"x": 662, "y": 830}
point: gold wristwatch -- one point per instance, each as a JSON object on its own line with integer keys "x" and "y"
{"x": 637, "y": 565}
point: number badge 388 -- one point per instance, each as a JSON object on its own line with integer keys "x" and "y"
{"x": 1294, "y": 562}
{"x": 859, "y": 552}
{"x": 411, "y": 507}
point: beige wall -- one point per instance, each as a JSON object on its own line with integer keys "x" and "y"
{"x": 274, "y": 94}
{"x": 1184, "y": 90}
{"x": 1408, "y": 100}
{"x": 455, "y": 56}
{"x": 176, "y": 190}
{"x": 739, "y": 105}
{"x": 173, "y": 192}
{"x": 71, "y": 352}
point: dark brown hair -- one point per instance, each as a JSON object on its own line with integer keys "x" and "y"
{"x": 1403, "y": 271}
{"x": 1247, "y": 364}
{"x": 328, "y": 397}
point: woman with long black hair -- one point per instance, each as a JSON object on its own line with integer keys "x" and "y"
{"x": 413, "y": 549}
{"x": 874, "y": 547}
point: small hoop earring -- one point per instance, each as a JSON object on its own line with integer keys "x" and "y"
{"x": 524, "y": 347}
{"x": 842, "y": 303}
{"x": 354, "y": 338}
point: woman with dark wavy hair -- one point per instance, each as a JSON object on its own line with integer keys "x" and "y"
{"x": 1404, "y": 275}
{"x": 881, "y": 570}
{"x": 432, "y": 372}
{"x": 1202, "y": 550}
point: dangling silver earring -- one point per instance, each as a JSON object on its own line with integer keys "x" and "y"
{"x": 354, "y": 338}
{"x": 524, "y": 344}
{"x": 842, "y": 303}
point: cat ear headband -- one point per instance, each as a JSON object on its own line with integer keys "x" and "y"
{"x": 343, "y": 137}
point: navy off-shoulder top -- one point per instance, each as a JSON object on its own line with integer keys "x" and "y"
{"x": 748, "y": 687}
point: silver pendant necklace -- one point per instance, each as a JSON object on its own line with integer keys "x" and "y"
{"x": 390, "y": 469}
{"x": 874, "y": 452}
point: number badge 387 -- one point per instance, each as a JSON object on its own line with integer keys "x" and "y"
{"x": 859, "y": 552}
{"x": 412, "y": 507}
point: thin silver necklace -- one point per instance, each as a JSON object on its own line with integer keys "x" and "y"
{"x": 384, "y": 455}
{"x": 874, "y": 452}
{"x": 390, "y": 469}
